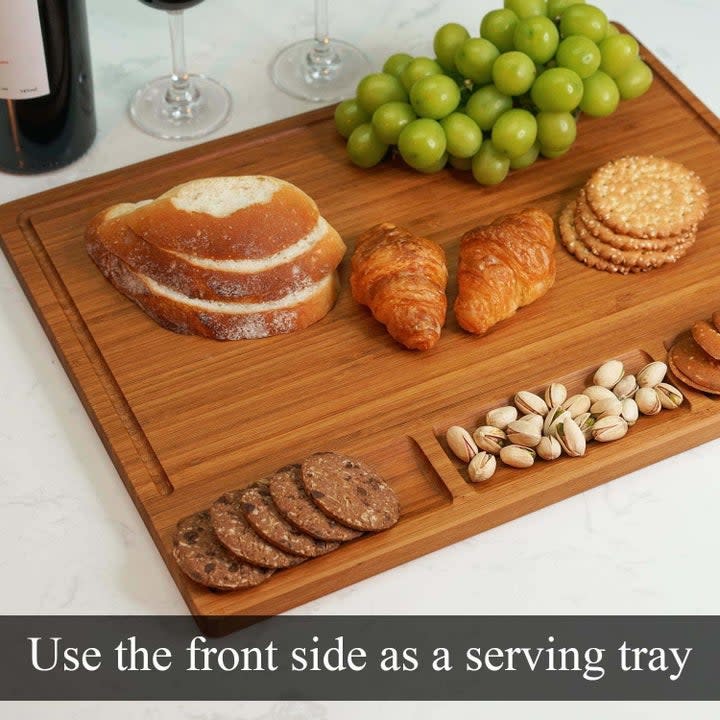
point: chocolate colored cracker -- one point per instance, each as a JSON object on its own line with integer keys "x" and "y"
{"x": 294, "y": 504}
{"x": 266, "y": 521}
{"x": 236, "y": 535}
{"x": 203, "y": 558}
{"x": 707, "y": 337}
{"x": 350, "y": 491}
{"x": 693, "y": 365}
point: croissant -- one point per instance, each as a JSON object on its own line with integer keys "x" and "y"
{"x": 502, "y": 267}
{"x": 401, "y": 277}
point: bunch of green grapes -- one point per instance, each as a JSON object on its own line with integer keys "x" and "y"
{"x": 495, "y": 102}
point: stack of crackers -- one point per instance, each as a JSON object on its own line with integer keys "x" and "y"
{"x": 297, "y": 513}
{"x": 694, "y": 358}
{"x": 634, "y": 214}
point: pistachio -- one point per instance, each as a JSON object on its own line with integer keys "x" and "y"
{"x": 648, "y": 401}
{"x": 461, "y": 443}
{"x": 629, "y": 412}
{"x": 482, "y": 467}
{"x": 489, "y": 438}
{"x": 553, "y": 417}
{"x": 570, "y": 437}
{"x": 609, "y": 374}
{"x": 598, "y": 392}
{"x": 610, "y": 428}
{"x": 524, "y": 432}
{"x": 549, "y": 448}
{"x": 670, "y": 396}
{"x": 527, "y": 402}
{"x": 501, "y": 417}
{"x": 652, "y": 374}
{"x": 555, "y": 395}
{"x": 517, "y": 456}
{"x": 577, "y": 405}
{"x": 535, "y": 420}
{"x": 585, "y": 422}
{"x": 626, "y": 388}
{"x": 606, "y": 406}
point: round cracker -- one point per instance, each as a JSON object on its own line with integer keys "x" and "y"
{"x": 647, "y": 196}
{"x": 202, "y": 557}
{"x": 236, "y": 535}
{"x": 689, "y": 361}
{"x": 624, "y": 242}
{"x": 350, "y": 491}
{"x": 643, "y": 259}
{"x": 294, "y": 504}
{"x": 264, "y": 518}
{"x": 707, "y": 337}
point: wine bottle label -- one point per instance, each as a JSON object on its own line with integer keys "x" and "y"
{"x": 23, "y": 70}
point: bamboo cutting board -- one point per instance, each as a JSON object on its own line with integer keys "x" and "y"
{"x": 186, "y": 419}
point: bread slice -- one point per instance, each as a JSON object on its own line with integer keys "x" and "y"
{"x": 292, "y": 269}
{"x": 216, "y": 319}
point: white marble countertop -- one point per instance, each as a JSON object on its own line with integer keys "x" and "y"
{"x": 645, "y": 543}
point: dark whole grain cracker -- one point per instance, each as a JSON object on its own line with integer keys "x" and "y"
{"x": 234, "y": 532}
{"x": 266, "y": 521}
{"x": 294, "y": 504}
{"x": 349, "y": 491}
{"x": 707, "y": 337}
{"x": 691, "y": 364}
{"x": 202, "y": 557}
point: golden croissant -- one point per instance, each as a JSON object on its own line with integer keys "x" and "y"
{"x": 401, "y": 277}
{"x": 504, "y": 266}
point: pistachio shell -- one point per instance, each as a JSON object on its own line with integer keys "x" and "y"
{"x": 577, "y": 405}
{"x": 610, "y": 428}
{"x": 585, "y": 422}
{"x": 670, "y": 396}
{"x": 524, "y": 432}
{"x": 607, "y": 406}
{"x": 630, "y": 412}
{"x": 482, "y": 467}
{"x": 549, "y": 448}
{"x": 598, "y": 392}
{"x": 626, "y": 388}
{"x": 501, "y": 417}
{"x": 517, "y": 456}
{"x": 609, "y": 374}
{"x": 648, "y": 401}
{"x": 570, "y": 437}
{"x": 555, "y": 395}
{"x": 536, "y": 421}
{"x": 527, "y": 402}
{"x": 461, "y": 443}
{"x": 652, "y": 374}
{"x": 489, "y": 438}
{"x": 553, "y": 417}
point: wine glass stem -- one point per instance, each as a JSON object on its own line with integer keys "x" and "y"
{"x": 322, "y": 59}
{"x": 180, "y": 91}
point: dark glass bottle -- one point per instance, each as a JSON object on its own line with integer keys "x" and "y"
{"x": 47, "y": 113}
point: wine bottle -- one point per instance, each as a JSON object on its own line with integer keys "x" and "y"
{"x": 47, "y": 114}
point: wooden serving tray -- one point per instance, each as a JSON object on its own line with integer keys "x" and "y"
{"x": 186, "y": 419}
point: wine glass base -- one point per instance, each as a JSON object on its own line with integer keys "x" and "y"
{"x": 207, "y": 111}
{"x": 293, "y": 73}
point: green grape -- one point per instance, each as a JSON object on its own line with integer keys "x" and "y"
{"x": 618, "y": 53}
{"x": 460, "y": 163}
{"x": 612, "y": 30}
{"x": 556, "y": 130}
{"x": 635, "y": 81}
{"x": 526, "y": 159}
{"x": 526, "y": 8}
{"x": 396, "y": 63}
{"x": 579, "y": 54}
{"x": 435, "y": 96}
{"x": 377, "y": 89}
{"x": 348, "y": 115}
{"x": 422, "y": 143}
{"x": 364, "y": 147}
{"x": 555, "y": 7}
{"x": 498, "y": 26}
{"x": 551, "y": 153}
{"x": 537, "y": 37}
{"x": 586, "y": 20}
{"x": 418, "y": 68}
{"x": 513, "y": 73}
{"x": 436, "y": 166}
{"x": 515, "y": 132}
{"x": 464, "y": 137}
{"x": 389, "y": 120}
{"x": 557, "y": 90}
{"x": 474, "y": 60}
{"x": 446, "y": 42}
{"x": 601, "y": 95}
{"x": 486, "y": 105}
{"x": 489, "y": 165}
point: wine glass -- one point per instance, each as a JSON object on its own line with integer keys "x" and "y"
{"x": 180, "y": 106}
{"x": 320, "y": 69}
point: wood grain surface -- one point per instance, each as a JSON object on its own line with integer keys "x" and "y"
{"x": 185, "y": 418}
